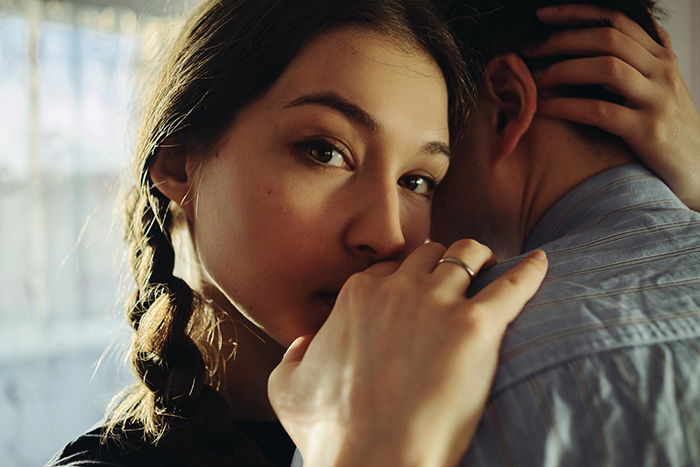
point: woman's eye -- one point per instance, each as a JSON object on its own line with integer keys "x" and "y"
{"x": 325, "y": 153}
{"x": 418, "y": 184}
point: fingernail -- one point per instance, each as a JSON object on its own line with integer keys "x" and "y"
{"x": 547, "y": 12}
{"x": 538, "y": 255}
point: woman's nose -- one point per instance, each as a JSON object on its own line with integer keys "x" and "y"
{"x": 375, "y": 229}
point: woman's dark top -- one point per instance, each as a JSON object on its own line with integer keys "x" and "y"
{"x": 245, "y": 444}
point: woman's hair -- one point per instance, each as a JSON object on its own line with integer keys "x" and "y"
{"x": 229, "y": 54}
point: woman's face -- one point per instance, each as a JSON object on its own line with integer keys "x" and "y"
{"x": 329, "y": 172}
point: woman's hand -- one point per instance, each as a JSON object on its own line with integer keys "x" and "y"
{"x": 400, "y": 372}
{"x": 658, "y": 118}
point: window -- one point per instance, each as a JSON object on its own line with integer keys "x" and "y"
{"x": 69, "y": 96}
{"x": 69, "y": 103}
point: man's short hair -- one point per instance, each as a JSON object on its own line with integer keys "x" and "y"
{"x": 489, "y": 28}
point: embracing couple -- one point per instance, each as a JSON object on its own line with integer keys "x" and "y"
{"x": 304, "y": 149}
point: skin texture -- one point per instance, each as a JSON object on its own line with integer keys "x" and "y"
{"x": 334, "y": 416}
{"x": 281, "y": 219}
{"x": 513, "y": 160}
{"x": 301, "y": 225}
{"x": 501, "y": 182}
{"x": 658, "y": 118}
{"x": 344, "y": 406}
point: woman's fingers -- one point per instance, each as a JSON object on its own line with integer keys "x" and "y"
{"x": 383, "y": 268}
{"x": 596, "y": 41}
{"x": 612, "y": 73}
{"x": 664, "y": 36}
{"x": 589, "y": 14}
{"x": 618, "y": 120}
{"x": 281, "y": 376}
{"x": 509, "y": 293}
{"x": 295, "y": 352}
{"x": 473, "y": 254}
{"x": 423, "y": 259}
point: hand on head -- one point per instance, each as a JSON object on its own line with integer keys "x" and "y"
{"x": 657, "y": 117}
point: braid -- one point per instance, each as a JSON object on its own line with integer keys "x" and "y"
{"x": 171, "y": 369}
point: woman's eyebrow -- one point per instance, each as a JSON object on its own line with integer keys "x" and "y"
{"x": 350, "y": 110}
{"x": 355, "y": 113}
{"x": 437, "y": 147}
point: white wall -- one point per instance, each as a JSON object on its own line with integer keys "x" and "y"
{"x": 682, "y": 16}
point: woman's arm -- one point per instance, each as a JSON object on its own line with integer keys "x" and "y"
{"x": 400, "y": 372}
{"x": 658, "y": 118}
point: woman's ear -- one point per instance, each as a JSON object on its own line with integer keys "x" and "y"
{"x": 172, "y": 173}
{"x": 511, "y": 89}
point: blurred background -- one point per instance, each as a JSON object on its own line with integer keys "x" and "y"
{"x": 70, "y": 87}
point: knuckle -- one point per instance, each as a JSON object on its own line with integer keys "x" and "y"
{"x": 600, "y": 110}
{"x": 433, "y": 246}
{"x": 610, "y": 36}
{"x": 356, "y": 281}
{"x": 668, "y": 75}
{"x": 481, "y": 323}
{"x": 468, "y": 244}
{"x": 667, "y": 55}
{"x": 617, "y": 18}
{"x": 656, "y": 130}
{"x": 514, "y": 281}
{"x": 613, "y": 67}
{"x": 400, "y": 284}
{"x": 438, "y": 296}
{"x": 532, "y": 263}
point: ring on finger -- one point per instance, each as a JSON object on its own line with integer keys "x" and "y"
{"x": 458, "y": 262}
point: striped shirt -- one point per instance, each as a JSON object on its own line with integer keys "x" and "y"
{"x": 603, "y": 365}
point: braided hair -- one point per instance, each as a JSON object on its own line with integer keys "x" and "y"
{"x": 229, "y": 53}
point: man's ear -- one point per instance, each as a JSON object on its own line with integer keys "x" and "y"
{"x": 172, "y": 172}
{"x": 509, "y": 85}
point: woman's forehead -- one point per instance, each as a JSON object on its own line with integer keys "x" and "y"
{"x": 393, "y": 84}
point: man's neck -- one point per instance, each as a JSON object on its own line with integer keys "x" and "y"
{"x": 560, "y": 157}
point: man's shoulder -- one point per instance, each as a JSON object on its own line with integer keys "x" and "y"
{"x": 601, "y": 366}
{"x": 629, "y": 280}
{"x": 630, "y": 406}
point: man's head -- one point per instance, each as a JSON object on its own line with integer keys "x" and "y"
{"x": 511, "y": 165}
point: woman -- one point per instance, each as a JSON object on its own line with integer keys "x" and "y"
{"x": 301, "y": 143}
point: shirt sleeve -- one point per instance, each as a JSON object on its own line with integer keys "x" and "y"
{"x": 634, "y": 406}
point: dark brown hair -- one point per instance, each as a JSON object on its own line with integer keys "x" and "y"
{"x": 229, "y": 53}
{"x": 488, "y": 28}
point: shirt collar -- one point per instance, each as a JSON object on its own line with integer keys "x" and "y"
{"x": 593, "y": 200}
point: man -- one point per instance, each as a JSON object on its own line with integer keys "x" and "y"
{"x": 602, "y": 366}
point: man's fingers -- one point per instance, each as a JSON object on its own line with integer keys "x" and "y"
{"x": 510, "y": 292}
{"x": 580, "y": 13}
